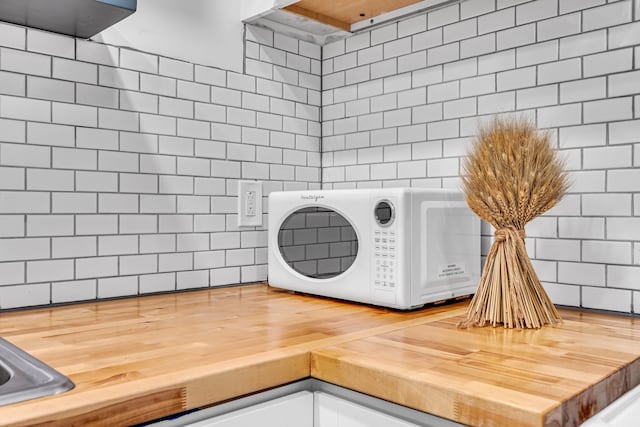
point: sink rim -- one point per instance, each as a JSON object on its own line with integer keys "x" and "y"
{"x": 30, "y": 378}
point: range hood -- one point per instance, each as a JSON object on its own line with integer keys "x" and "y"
{"x": 79, "y": 18}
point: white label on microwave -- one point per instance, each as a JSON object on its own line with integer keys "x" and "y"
{"x": 450, "y": 270}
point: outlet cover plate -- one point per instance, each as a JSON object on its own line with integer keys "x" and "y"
{"x": 249, "y": 203}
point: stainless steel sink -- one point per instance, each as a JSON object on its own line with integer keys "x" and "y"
{"x": 23, "y": 377}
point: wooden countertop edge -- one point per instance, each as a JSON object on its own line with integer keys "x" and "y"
{"x": 189, "y": 388}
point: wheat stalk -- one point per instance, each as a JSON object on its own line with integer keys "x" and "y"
{"x": 511, "y": 176}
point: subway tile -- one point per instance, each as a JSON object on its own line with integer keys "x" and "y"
{"x": 568, "y": 69}
{"x": 25, "y": 62}
{"x": 583, "y": 136}
{"x": 21, "y": 155}
{"x": 117, "y": 286}
{"x": 13, "y": 130}
{"x": 209, "y": 75}
{"x": 477, "y": 85}
{"x": 536, "y": 11}
{"x": 157, "y": 243}
{"x": 157, "y": 84}
{"x": 496, "y": 21}
{"x": 608, "y": 110}
{"x": 120, "y": 120}
{"x": 583, "y": 44}
{"x": 559, "y": 27}
{"x": 583, "y": 90}
{"x": 53, "y": 90}
{"x": 75, "y": 71}
{"x": 118, "y": 78}
{"x": 606, "y": 204}
{"x": 73, "y": 203}
{"x": 537, "y": 53}
{"x": 12, "y": 84}
{"x": 563, "y": 115}
{"x": 118, "y": 203}
{"x": 50, "y": 134}
{"x": 443, "y": 16}
{"x": 587, "y": 181}
{"x": 606, "y": 252}
{"x": 137, "y": 101}
{"x": 24, "y": 249}
{"x": 497, "y": 103}
{"x": 118, "y": 162}
{"x": 623, "y": 228}
{"x": 624, "y": 83}
{"x": 608, "y": 62}
{"x": 25, "y": 295}
{"x": 73, "y": 114}
{"x": 606, "y": 299}
{"x": 442, "y": 54}
{"x": 97, "y": 53}
{"x": 138, "y": 264}
{"x": 516, "y": 79}
{"x": 12, "y": 178}
{"x": 573, "y": 5}
{"x": 537, "y": 97}
{"x": 50, "y": 180}
{"x": 499, "y": 61}
{"x": 606, "y": 16}
{"x": 12, "y": 226}
{"x": 25, "y": 109}
{"x": 581, "y": 273}
{"x": 13, "y": 36}
{"x": 518, "y": 36}
{"x": 96, "y": 95}
{"x": 478, "y": 45}
{"x": 623, "y": 180}
{"x": 625, "y": 35}
{"x": 558, "y": 249}
{"x": 460, "y": 30}
{"x": 72, "y": 291}
{"x": 607, "y": 157}
{"x": 96, "y": 181}
{"x": 177, "y": 69}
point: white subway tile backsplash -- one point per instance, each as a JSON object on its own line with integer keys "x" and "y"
{"x": 76, "y": 71}
{"x": 117, "y": 286}
{"x": 573, "y": 5}
{"x": 558, "y": 249}
{"x": 624, "y": 83}
{"x": 12, "y": 226}
{"x": 442, "y": 54}
{"x": 536, "y": 10}
{"x": 581, "y": 273}
{"x": 608, "y": 62}
{"x": 607, "y": 157}
{"x": 73, "y": 114}
{"x": 606, "y": 252}
{"x": 558, "y": 27}
{"x": 77, "y": 290}
{"x": 539, "y": 96}
{"x": 606, "y": 204}
{"x": 499, "y": 61}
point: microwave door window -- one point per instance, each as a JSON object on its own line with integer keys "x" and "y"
{"x": 317, "y": 242}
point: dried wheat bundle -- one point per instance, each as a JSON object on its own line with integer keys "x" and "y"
{"x": 511, "y": 176}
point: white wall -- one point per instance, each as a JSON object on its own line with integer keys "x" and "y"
{"x": 401, "y": 104}
{"x": 200, "y": 31}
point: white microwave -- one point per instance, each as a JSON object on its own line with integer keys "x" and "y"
{"x": 395, "y": 247}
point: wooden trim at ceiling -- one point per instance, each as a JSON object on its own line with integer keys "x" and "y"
{"x": 318, "y": 17}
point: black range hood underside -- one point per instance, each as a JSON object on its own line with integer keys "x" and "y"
{"x": 79, "y": 18}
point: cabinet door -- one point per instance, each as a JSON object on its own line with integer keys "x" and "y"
{"x": 295, "y": 410}
{"x": 331, "y": 411}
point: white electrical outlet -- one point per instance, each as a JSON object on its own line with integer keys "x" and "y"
{"x": 249, "y": 203}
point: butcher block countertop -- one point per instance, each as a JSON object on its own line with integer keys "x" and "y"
{"x": 139, "y": 359}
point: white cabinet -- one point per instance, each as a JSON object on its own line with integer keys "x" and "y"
{"x": 292, "y": 410}
{"x": 306, "y": 403}
{"x": 332, "y": 411}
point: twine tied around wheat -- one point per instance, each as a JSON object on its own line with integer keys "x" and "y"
{"x": 511, "y": 176}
